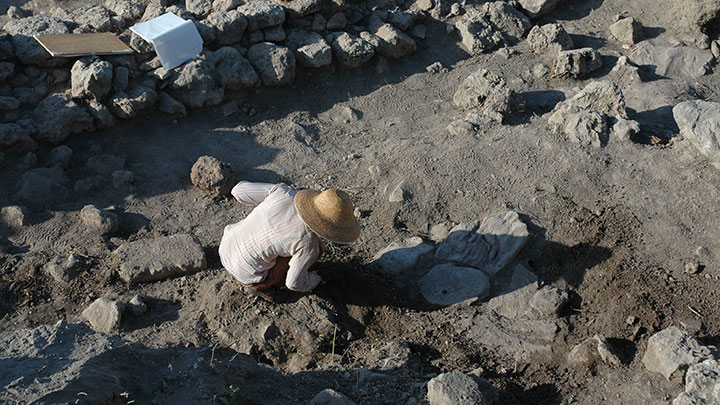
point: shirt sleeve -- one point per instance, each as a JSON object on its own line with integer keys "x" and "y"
{"x": 298, "y": 278}
{"x": 252, "y": 194}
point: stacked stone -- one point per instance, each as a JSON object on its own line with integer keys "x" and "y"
{"x": 257, "y": 43}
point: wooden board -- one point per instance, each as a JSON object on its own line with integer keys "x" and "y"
{"x": 66, "y": 45}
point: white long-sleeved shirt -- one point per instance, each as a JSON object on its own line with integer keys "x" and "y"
{"x": 249, "y": 248}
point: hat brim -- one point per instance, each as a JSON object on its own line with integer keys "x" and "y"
{"x": 338, "y": 233}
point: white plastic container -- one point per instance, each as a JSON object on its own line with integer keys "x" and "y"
{"x": 175, "y": 40}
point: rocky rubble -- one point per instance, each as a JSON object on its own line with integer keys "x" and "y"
{"x": 487, "y": 96}
{"x": 246, "y": 45}
{"x": 593, "y": 114}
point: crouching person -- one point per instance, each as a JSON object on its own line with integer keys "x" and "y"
{"x": 283, "y": 235}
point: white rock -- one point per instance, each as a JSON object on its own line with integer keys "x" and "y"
{"x": 448, "y": 284}
{"x": 702, "y": 384}
{"x": 401, "y": 256}
{"x": 104, "y": 315}
{"x": 671, "y": 351}
{"x": 699, "y": 121}
{"x": 14, "y": 216}
{"x": 455, "y": 387}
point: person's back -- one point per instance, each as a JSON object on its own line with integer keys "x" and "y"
{"x": 274, "y": 229}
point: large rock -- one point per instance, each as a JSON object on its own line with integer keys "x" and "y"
{"x": 673, "y": 62}
{"x": 94, "y": 18}
{"x": 350, "y": 50}
{"x": 27, "y": 49}
{"x": 505, "y": 18}
{"x": 159, "y": 258}
{"x": 169, "y": 105}
{"x": 198, "y": 7}
{"x": 702, "y": 384}
{"x": 536, "y": 8}
{"x": 699, "y": 121}
{"x": 91, "y": 78}
{"x": 486, "y": 93}
{"x": 584, "y": 118}
{"x": 232, "y": 70}
{"x": 43, "y": 185}
{"x": 627, "y": 30}
{"x": 299, "y": 8}
{"x": 58, "y": 116}
{"x": 226, "y": 5}
{"x": 448, "y": 284}
{"x": 488, "y": 246}
{"x": 194, "y": 85}
{"x": 330, "y": 397}
{"x": 399, "y": 257}
{"x": 484, "y": 28}
{"x": 577, "y": 62}
{"x": 476, "y": 33}
{"x": 213, "y": 177}
{"x": 97, "y": 221}
{"x": 104, "y": 315}
{"x": 549, "y": 301}
{"x": 602, "y": 96}
{"x": 229, "y": 26}
{"x": 13, "y": 216}
{"x": 14, "y": 137}
{"x": 671, "y": 351}
{"x": 692, "y": 19}
{"x": 103, "y": 118}
{"x": 130, "y": 104}
{"x": 456, "y": 387}
{"x": 127, "y": 9}
{"x": 310, "y": 48}
{"x": 580, "y": 126}
{"x": 551, "y": 38}
{"x": 394, "y": 43}
{"x": 105, "y": 164}
{"x": 274, "y": 63}
{"x": 262, "y": 14}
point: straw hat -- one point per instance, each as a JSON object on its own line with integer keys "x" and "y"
{"x": 328, "y": 214}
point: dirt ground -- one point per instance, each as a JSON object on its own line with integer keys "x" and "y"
{"x": 614, "y": 225}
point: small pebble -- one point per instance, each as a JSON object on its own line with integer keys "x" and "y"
{"x": 692, "y": 267}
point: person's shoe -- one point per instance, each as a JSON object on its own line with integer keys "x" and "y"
{"x": 266, "y": 294}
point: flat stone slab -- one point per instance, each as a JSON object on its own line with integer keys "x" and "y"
{"x": 159, "y": 258}
{"x": 673, "y": 62}
{"x": 401, "y": 256}
{"x": 448, "y": 284}
{"x": 489, "y": 246}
